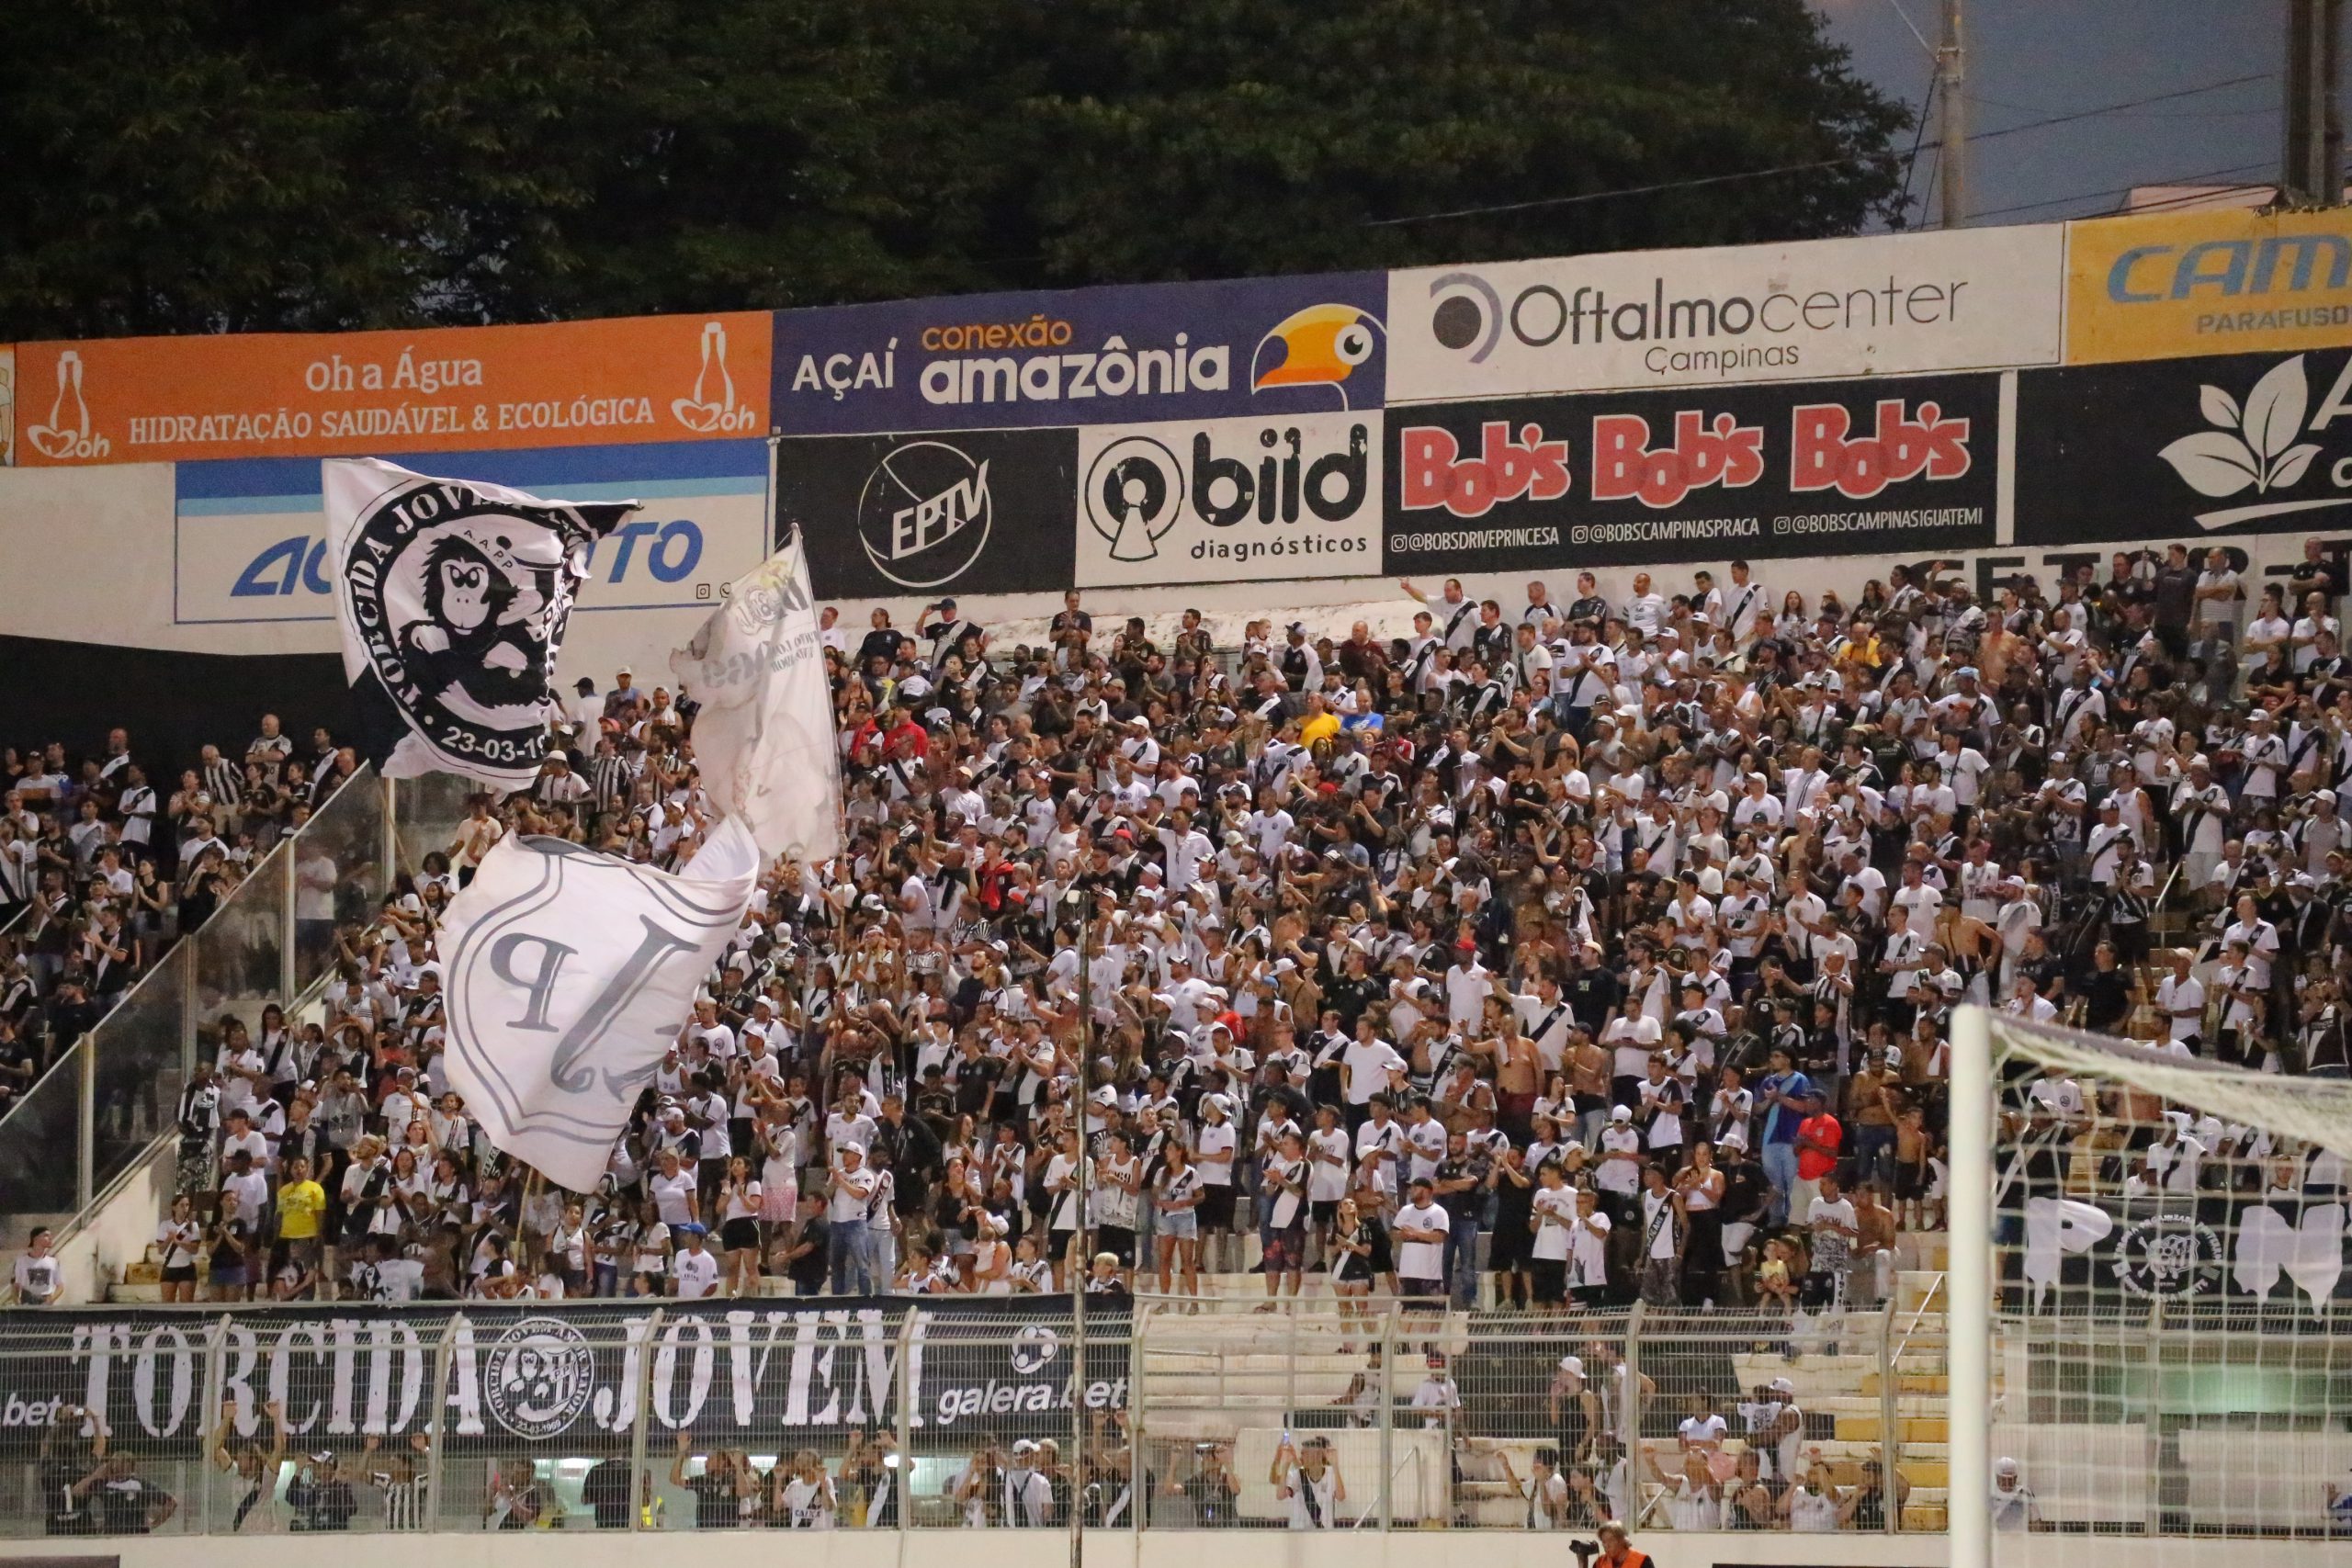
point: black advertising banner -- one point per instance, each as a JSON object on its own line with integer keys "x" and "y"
{"x": 2210, "y": 1250}
{"x": 943, "y": 513}
{"x": 730, "y": 1371}
{"x": 1888, "y": 465}
{"x": 2242, "y": 444}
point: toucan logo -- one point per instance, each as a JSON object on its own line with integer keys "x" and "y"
{"x": 1322, "y": 345}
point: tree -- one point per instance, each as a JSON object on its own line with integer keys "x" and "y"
{"x": 188, "y": 165}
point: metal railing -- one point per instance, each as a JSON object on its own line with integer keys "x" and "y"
{"x": 110, "y": 1096}
{"x": 665, "y": 1415}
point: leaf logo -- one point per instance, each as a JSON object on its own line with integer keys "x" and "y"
{"x": 2254, "y": 448}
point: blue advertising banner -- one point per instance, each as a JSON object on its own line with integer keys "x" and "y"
{"x": 1127, "y": 354}
{"x": 249, "y": 533}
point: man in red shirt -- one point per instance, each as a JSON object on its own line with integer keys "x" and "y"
{"x": 1818, "y": 1139}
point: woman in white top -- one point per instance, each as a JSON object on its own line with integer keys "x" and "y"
{"x": 777, "y": 1143}
{"x": 176, "y": 1242}
{"x": 1175, "y": 1195}
{"x": 650, "y": 1259}
{"x": 738, "y": 1227}
{"x": 674, "y": 1191}
{"x": 1700, "y": 1183}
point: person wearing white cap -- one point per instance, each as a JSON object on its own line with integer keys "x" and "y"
{"x": 1620, "y": 1176}
{"x": 1215, "y": 1149}
{"x": 2012, "y": 1502}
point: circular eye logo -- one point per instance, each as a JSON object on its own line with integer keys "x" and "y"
{"x": 538, "y": 1377}
{"x": 2168, "y": 1257}
{"x": 1034, "y": 1349}
{"x": 1134, "y": 491}
{"x": 925, "y": 515}
{"x": 1466, "y": 314}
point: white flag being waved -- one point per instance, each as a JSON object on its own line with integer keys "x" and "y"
{"x": 568, "y": 973}
{"x": 764, "y": 736}
{"x": 453, "y": 597}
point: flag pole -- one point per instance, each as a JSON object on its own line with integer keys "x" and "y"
{"x": 1082, "y": 1260}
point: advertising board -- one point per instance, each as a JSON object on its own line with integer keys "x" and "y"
{"x": 249, "y": 537}
{"x": 651, "y": 379}
{"x": 2155, "y": 286}
{"x": 1229, "y": 500}
{"x": 1887, "y": 304}
{"x": 944, "y": 513}
{"x": 1884, "y": 465}
{"x": 1121, "y": 353}
{"x": 2240, "y": 444}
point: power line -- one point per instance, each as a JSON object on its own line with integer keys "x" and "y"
{"x": 1496, "y": 209}
{"x": 2120, "y": 108}
{"x": 2187, "y": 199}
{"x": 2185, "y": 92}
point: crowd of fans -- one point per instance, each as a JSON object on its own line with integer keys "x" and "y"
{"x": 1561, "y": 952}
{"x": 1560, "y": 955}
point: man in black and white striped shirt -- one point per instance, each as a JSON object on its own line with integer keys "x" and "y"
{"x": 399, "y": 1479}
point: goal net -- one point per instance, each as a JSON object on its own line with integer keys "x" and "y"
{"x": 2151, "y": 1329}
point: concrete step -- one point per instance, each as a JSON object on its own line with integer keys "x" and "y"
{"x": 1859, "y": 1428}
{"x": 1937, "y": 1384}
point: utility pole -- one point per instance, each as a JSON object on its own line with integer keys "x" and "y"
{"x": 2311, "y": 166}
{"x": 1951, "y": 78}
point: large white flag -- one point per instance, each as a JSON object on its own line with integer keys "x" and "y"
{"x": 764, "y": 736}
{"x": 568, "y": 973}
{"x": 453, "y": 597}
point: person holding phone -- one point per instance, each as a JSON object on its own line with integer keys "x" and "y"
{"x": 1306, "y": 1477}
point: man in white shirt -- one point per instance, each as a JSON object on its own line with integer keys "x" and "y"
{"x": 1420, "y": 1231}
{"x": 696, "y": 1268}
{"x": 1467, "y": 984}
{"x": 2180, "y": 1000}
{"x": 40, "y": 1277}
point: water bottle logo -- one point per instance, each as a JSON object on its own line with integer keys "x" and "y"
{"x": 67, "y": 436}
{"x": 711, "y": 408}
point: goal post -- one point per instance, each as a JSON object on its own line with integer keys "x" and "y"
{"x": 2149, "y": 1290}
{"x": 1968, "y": 1289}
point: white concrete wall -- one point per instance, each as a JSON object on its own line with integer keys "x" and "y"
{"x": 119, "y": 1233}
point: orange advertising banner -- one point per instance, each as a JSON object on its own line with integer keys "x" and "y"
{"x": 328, "y": 394}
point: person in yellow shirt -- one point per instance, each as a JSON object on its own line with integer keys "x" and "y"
{"x": 302, "y": 1207}
{"x": 1320, "y": 724}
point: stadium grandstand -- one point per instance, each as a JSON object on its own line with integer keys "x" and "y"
{"x": 1684, "y": 896}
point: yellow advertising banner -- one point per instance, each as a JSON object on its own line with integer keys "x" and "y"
{"x": 2166, "y": 284}
{"x": 452, "y": 389}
